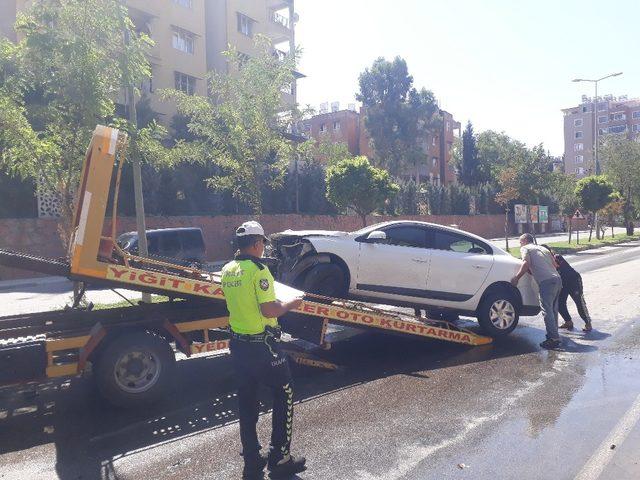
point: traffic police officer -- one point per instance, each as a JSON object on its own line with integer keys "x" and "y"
{"x": 256, "y": 356}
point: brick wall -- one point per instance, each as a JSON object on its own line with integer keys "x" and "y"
{"x": 40, "y": 237}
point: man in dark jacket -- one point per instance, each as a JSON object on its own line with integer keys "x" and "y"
{"x": 571, "y": 286}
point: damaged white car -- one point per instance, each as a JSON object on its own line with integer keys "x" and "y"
{"x": 409, "y": 264}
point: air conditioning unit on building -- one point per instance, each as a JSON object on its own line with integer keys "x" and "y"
{"x": 585, "y": 99}
{"x": 335, "y": 106}
{"x": 352, "y": 107}
{"x": 324, "y": 107}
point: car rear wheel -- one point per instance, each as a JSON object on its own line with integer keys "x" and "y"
{"x": 325, "y": 279}
{"x": 498, "y": 314}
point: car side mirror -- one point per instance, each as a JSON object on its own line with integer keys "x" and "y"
{"x": 376, "y": 236}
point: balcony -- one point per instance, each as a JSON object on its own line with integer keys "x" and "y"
{"x": 280, "y": 20}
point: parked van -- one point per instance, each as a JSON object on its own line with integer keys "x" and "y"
{"x": 184, "y": 246}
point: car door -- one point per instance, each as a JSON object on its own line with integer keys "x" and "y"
{"x": 459, "y": 266}
{"x": 397, "y": 267}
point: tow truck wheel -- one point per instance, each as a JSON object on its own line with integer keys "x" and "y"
{"x": 498, "y": 314}
{"x": 135, "y": 369}
{"x": 325, "y": 279}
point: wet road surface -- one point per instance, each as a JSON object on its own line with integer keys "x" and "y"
{"x": 399, "y": 409}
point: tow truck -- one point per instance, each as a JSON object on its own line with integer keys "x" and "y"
{"x": 132, "y": 350}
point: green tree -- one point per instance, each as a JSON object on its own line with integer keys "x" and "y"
{"x": 612, "y": 211}
{"x": 508, "y": 193}
{"x": 564, "y": 188}
{"x": 594, "y": 193}
{"x": 398, "y": 117}
{"x": 354, "y": 183}
{"x": 241, "y": 127}
{"x": 621, "y": 162}
{"x": 469, "y": 170}
{"x": 61, "y": 80}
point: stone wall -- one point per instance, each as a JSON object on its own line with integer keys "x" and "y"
{"x": 40, "y": 237}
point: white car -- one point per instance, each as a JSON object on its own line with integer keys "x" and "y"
{"x": 411, "y": 264}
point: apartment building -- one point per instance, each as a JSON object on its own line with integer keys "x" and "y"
{"x": 237, "y": 22}
{"x": 190, "y": 36}
{"x": 613, "y": 116}
{"x": 347, "y": 126}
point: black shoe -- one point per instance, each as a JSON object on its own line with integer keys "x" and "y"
{"x": 550, "y": 344}
{"x": 255, "y": 470}
{"x": 292, "y": 466}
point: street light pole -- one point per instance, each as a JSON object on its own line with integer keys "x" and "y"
{"x": 595, "y": 115}
{"x": 595, "y": 132}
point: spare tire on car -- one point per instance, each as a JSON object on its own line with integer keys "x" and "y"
{"x": 326, "y": 279}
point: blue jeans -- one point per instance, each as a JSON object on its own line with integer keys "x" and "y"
{"x": 549, "y": 295}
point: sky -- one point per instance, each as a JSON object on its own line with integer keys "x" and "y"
{"x": 506, "y": 65}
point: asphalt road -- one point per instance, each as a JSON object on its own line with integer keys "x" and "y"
{"x": 399, "y": 409}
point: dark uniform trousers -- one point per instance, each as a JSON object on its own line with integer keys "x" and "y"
{"x": 572, "y": 287}
{"x": 255, "y": 363}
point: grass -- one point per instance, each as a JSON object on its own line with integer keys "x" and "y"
{"x": 567, "y": 248}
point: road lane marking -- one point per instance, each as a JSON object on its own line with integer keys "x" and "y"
{"x": 604, "y": 453}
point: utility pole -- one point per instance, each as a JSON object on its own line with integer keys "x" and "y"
{"x": 143, "y": 250}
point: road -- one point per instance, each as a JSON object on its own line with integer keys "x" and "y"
{"x": 399, "y": 409}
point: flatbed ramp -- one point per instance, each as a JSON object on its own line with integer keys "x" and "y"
{"x": 60, "y": 343}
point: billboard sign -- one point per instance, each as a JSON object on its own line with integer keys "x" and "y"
{"x": 533, "y": 213}
{"x": 520, "y": 212}
{"x": 543, "y": 214}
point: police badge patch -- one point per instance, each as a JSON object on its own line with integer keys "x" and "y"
{"x": 264, "y": 284}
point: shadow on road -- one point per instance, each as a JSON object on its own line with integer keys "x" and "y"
{"x": 89, "y": 435}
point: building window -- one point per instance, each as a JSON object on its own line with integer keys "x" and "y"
{"x": 433, "y": 141}
{"x": 618, "y": 129}
{"x": 602, "y": 131}
{"x": 245, "y": 25}
{"x": 635, "y": 114}
{"x": 577, "y": 122}
{"x": 183, "y": 41}
{"x": 635, "y": 128}
{"x": 603, "y": 119}
{"x": 578, "y": 147}
{"x": 602, "y": 107}
{"x": 586, "y": 108}
{"x": 336, "y": 126}
{"x": 184, "y": 3}
{"x": 322, "y": 128}
{"x": 580, "y": 170}
{"x": 185, "y": 83}
{"x": 578, "y": 134}
{"x": 434, "y": 161}
{"x": 579, "y": 159}
{"x": 619, "y": 116}
{"x": 448, "y": 126}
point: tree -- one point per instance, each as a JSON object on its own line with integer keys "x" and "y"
{"x": 612, "y": 211}
{"x": 58, "y": 82}
{"x": 621, "y": 162}
{"x": 469, "y": 169}
{"x": 564, "y": 187}
{"x": 241, "y": 127}
{"x": 354, "y": 183}
{"x": 594, "y": 193}
{"x": 398, "y": 117}
{"x": 506, "y": 196}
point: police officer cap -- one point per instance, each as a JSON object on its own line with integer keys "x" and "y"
{"x": 250, "y": 228}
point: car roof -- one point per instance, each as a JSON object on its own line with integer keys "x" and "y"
{"x": 427, "y": 224}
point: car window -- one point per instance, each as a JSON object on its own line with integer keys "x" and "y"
{"x": 406, "y": 236}
{"x": 191, "y": 240}
{"x": 169, "y": 244}
{"x": 454, "y": 242}
{"x": 152, "y": 244}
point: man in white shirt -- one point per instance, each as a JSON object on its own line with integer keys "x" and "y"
{"x": 540, "y": 263}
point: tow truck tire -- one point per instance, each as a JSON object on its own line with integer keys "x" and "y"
{"x": 498, "y": 313}
{"x": 325, "y": 279}
{"x": 135, "y": 369}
